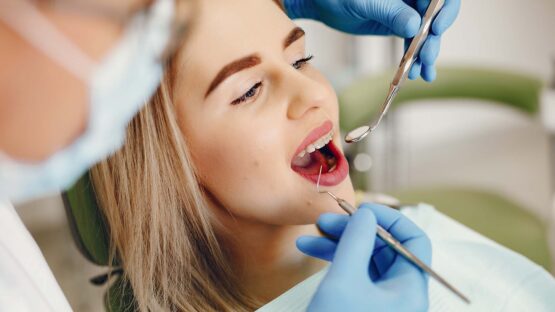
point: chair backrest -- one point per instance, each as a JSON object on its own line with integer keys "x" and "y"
{"x": 360, "y": 101}
{"x": 86, "y": 222}
{"x": 91, "y": 235}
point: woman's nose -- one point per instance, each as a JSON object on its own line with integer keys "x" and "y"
{"x": 305, "y": 94}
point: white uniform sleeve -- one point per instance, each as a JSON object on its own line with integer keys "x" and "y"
{"x": 26, "y": 282}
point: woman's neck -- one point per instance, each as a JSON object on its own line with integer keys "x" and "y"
{"x": 266, "y": 257}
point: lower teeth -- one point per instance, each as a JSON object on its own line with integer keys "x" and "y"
{"x": 332, "y": 168}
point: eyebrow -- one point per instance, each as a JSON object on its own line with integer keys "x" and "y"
{"x": 232, "y": 68}
{"x": 293, "y": 36}
{"x": 249, "y": 61}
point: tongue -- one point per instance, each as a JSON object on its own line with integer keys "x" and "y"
{"x": 318, "y": 160}
{"x": 311, "y": 163}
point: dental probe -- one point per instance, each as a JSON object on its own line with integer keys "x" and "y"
{"x": 403, "y": 70}
{"x": 395, "y": 244}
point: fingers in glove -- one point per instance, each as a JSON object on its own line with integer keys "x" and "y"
{"x": 317, "y": 247}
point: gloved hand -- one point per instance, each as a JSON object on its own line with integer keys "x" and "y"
{"x": 382, "y": 17}
{"x": 365, "y": 274}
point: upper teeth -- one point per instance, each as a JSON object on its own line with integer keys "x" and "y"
{"x": 318, "y": 144}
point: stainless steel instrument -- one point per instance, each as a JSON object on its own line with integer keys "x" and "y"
{"x": 395, "y": 244}
{"x": 407, "y": 61}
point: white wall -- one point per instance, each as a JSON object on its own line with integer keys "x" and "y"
{"x": 332, "y": 50}
{"x": 512, "y": 34}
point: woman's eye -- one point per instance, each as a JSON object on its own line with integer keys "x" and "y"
{"x": 302, "y": 62}
{"x": 253, "y": 91}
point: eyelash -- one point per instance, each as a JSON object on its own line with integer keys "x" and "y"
{"x": 302, "y": 62}
{"x": 253, "y": 91}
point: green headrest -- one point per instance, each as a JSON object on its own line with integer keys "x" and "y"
{"x": 359, "y": 101}
{"x": 90, "y": 233}
{"x": 86, "y": 221}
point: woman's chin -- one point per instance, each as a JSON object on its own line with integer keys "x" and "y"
{"x": 323, "y": 203}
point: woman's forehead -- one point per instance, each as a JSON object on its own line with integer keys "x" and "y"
{"x": 228, "y": 26}
{"x": 227, "y": 30}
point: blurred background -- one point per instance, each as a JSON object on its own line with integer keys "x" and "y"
{"x": 477, "y": 143}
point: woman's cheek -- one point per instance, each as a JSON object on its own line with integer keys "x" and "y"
{"x": 223, "y": 160}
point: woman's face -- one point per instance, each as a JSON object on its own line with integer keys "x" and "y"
{"x": 249, "y": 105}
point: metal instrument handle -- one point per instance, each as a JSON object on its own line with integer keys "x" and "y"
{"x": 417, "y": 42}
{"x": 398, "y": 247}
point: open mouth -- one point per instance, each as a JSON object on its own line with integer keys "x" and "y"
{"x": 319, "y": 151}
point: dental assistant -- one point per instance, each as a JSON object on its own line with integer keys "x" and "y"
{"x": 74, "y": 74}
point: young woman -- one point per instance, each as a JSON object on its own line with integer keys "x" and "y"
{"x": 217, "y": 178}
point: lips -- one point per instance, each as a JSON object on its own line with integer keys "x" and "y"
{"x": 332, "y": 161}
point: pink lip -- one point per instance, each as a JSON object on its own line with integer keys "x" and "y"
{"x": 329, "y": 178}
{"x": 314, "y": 135}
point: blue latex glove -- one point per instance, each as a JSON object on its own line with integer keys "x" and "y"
{"x": 365, "y": 274}
{"x": 382, "y": 17}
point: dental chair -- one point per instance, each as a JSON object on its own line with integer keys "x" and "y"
{"x": 490, "y": 214}
{"x": 516, "y": 228}
{"x": 91, "y": 235}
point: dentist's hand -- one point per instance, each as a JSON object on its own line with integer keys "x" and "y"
{"x": 365, "y": 274}
{"x": 382, "y": 17}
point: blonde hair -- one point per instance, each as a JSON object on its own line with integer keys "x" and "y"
{"x": 160, "y": 226}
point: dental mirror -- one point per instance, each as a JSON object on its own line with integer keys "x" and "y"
{"x": 357, "y": 134}
{"x": 402, "y": 72}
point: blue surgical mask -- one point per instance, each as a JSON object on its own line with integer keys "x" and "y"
{"x": 118, "y": 87}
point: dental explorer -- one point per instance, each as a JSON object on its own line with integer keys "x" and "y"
{"x": 407, "y": 61}
{"x": 395, "y": 244}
